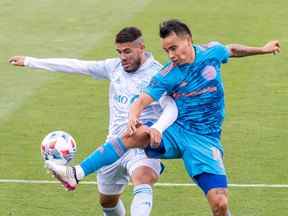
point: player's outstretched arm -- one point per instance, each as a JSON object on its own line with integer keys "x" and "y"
{"x": 239, "y": 50}
{"x": 65, "y": 65}
{"x": 135, "y": 111}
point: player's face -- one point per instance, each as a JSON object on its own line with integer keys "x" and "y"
{"x": 131, "y": 55}
{"x": 178, "y": 48}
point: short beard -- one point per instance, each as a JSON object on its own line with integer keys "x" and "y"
{"x": 136, "y": 65}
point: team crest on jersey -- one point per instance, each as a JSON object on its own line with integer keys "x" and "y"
{"x": 164, "y": 71}
{"x": 209, "y": 73}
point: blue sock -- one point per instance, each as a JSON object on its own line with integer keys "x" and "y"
{"x": 106, "y": 154}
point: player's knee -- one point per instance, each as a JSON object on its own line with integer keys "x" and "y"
{"x": 107, "y": 201}
{"x": 220, "y": 206}
{"x": 144, "y": 175}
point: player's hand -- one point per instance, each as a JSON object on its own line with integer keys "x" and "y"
{"x": 272, "y": 47}
{"x": 155, "y": 138}
{"x": 133, "y": 124}
{"x": 17, "y": 60}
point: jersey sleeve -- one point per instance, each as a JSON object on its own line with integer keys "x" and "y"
{"x": 64, "y": 65}
{"x": 219, "y": 51}
{"x": 163, "y": 82}
{"x": 96, "y": 69}
{"x": 103, "y": 69}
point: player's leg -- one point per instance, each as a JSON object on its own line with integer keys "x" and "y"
{"x": 215, "y": 188}
{"x": 203, "y": 161}
{"x": 111, "y": 182}
{"x": 218, "y": 200}
{"x": 143, "y": 180}
{"x": 106, "y": 154}
{"x": 112, "y": 150}
{"x": 112, "y": 205}
{"x": 144, "y": 174}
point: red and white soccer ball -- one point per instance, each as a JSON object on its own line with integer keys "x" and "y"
{"x": 58, "y": 146}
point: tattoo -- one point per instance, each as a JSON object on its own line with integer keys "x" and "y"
{"x": 238, "y": 50}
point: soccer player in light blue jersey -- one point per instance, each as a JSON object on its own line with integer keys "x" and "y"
{"x": 193, "y": 79}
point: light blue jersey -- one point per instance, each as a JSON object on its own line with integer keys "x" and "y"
{"x": 197, "y": 89}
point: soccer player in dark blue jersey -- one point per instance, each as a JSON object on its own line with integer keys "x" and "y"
{"x": 193, "y": 79}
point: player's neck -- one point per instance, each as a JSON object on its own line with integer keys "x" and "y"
{"x": 190, "y": 56}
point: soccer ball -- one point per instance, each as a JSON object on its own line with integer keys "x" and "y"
{"x": 58, "y": 146}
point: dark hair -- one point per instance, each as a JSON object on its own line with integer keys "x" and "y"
{"x": 128, "y": 34}
{"x": 174, "y": 25}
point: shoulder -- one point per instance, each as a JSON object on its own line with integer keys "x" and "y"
{"x": 213, "y": 46}
{"x": 169, "y": 75}
{"x": 113, "y": 65}
{"x": 154, "y": 62}
{"x": 112, "y": 62}
{"x": 151, "y": 65}
{"x": 153, "y": 68}
{"x": 209, "y": 45}
{"x": 168, "y": 69}
{"x": 215, "y": 50}
{"x": 156, "y": 65}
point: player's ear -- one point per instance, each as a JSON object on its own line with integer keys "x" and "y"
{"x": 142, "y": 45}
{"x": 189, "y": 40}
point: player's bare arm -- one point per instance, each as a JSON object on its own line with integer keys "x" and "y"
{"x": 135, "y": 111}
{"x": 239, "y": 50}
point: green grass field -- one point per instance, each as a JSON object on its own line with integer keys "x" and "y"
{"x": 33, "y": 103}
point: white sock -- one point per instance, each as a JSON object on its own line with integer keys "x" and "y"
{"x": 79, "y": 172}
{"x": 142, "y": 201}
{"x": 118, "y": 210}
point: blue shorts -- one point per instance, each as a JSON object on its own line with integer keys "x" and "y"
{"x": 200, "y": 153}
{"x": 207, "y": 181}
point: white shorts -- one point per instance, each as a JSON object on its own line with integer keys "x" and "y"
{"x": 112, "y": 179}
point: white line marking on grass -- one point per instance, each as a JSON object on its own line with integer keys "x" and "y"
{"x": 161, "y": 184}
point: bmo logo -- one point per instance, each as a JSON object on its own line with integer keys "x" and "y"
{"x": 123, "y": 99}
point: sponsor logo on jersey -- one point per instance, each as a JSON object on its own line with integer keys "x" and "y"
{"x": 123, "y": 99}
{"x": 209, "y": 89}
